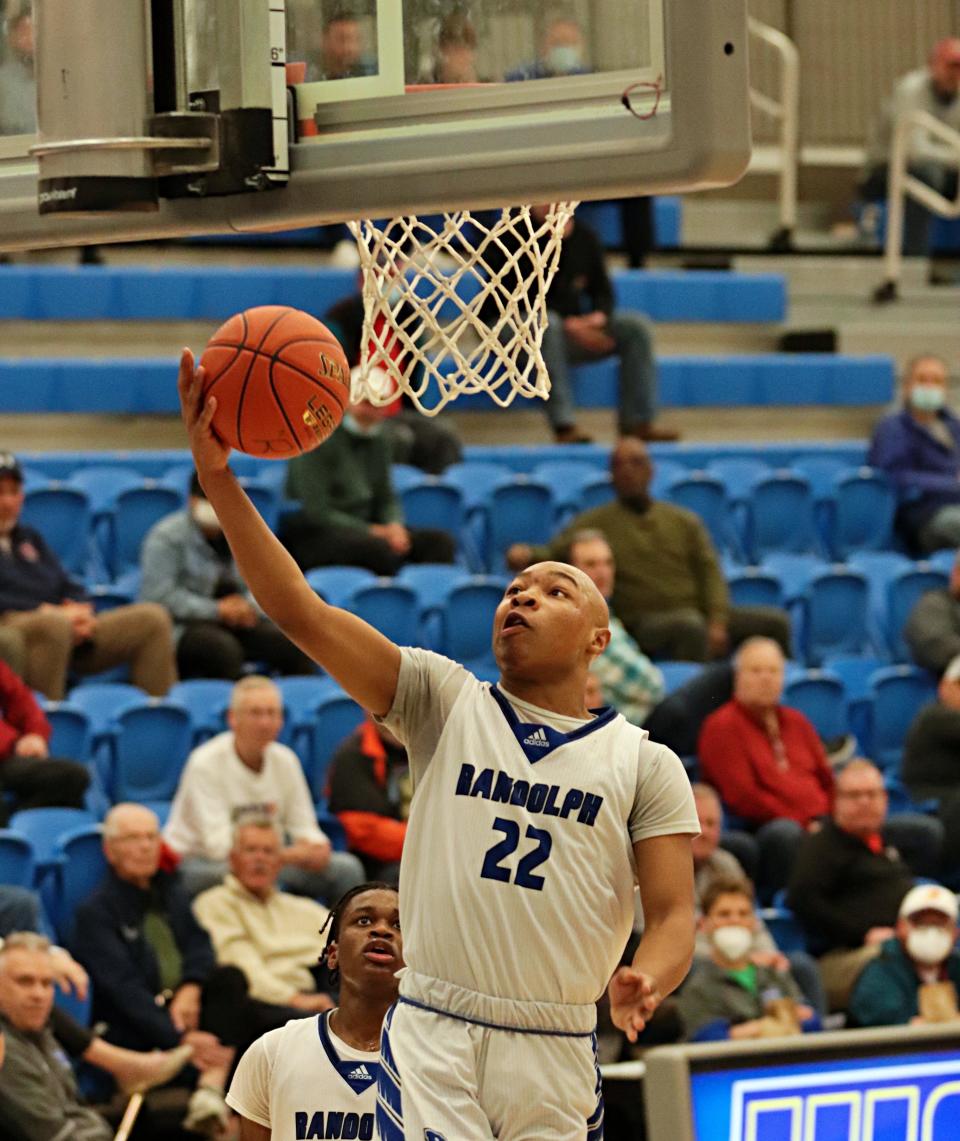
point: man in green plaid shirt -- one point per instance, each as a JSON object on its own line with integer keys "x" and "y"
{"x": 630, "y": 682}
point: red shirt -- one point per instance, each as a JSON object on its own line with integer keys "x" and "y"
{"x": 19, "y": 712}
{"x": 756, "y": 778}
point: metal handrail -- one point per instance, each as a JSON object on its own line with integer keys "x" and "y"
{"x": 901, "y": 183}
{"x": 786, "y": 112}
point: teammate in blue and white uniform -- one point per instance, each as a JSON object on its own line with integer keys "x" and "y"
{"x": 317, "y": 1077}
{"x": 532, "y": 819}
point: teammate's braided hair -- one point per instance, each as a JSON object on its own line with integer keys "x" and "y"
{"x": 332, "y": 923}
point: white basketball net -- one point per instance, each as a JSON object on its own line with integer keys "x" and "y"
{"x": 456, "y": 306}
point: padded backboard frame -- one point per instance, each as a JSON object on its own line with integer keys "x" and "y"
{"x": 473, "y": 147}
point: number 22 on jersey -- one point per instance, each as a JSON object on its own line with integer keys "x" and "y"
{"x": 493, "y": 868}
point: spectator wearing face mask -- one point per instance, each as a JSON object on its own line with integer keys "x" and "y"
{"x": 919, "y": 449}
{"x": 187, "y": 566}
{"x": 730, "y": 995}
{"x": 563, "y": 51}
{"x": 349, "y": 512}
{"x": 915, "y": 977}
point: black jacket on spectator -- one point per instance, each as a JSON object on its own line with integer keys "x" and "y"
{"x": 839, "y": 888}
{"x": 109, "y": 941}
{"x": 31, "y": 574}
{"x": 581, "y": 284}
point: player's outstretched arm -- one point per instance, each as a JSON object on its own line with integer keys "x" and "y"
{"x": 665, "y": 876}
{"x": 362, "y": 660}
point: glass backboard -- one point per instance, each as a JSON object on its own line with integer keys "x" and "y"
{"x": 424, "y": 105}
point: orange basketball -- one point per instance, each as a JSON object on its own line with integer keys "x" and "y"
{"x": 281, "y": 380}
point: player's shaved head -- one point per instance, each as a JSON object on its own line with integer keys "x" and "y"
{"x": 584, "y": 583}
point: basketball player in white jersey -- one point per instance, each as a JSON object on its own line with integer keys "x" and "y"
{"x": 531, "y": 820}
{"x": 317, "y": 1077}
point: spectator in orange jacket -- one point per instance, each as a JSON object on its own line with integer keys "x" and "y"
{"x": 766, "y": 761}
{"x": 370, "y": 792}
{"x": 27, "y": 771}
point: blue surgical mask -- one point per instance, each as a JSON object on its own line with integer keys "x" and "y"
{"x": 564, "y": 58}
{"x": 927, "y": 397}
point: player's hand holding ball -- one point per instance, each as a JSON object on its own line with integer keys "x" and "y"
{"x": 633, "y": 999}
{"x": 210, "y": 453}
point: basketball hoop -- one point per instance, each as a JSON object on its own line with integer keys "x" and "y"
{"x": 457, "y": 303}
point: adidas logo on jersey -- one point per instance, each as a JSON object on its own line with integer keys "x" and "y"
{"x": 361, "y": 1073}
{"x": 537, "y": 738}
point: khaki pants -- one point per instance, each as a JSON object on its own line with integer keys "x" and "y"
{"x": 840, "y": 971}
{"x": 39, "y": 645}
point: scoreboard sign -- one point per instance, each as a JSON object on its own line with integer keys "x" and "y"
{"x": 896, "y": 1100}
{"x": 901, "y": 1084}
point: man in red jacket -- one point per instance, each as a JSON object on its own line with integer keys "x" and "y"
{"x": 767, "y": 762}
{"x": 370, "y": 792}
{"x": 27, "y": 771}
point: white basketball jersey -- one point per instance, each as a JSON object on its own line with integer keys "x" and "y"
{"x": 301, "y": 1082}
{"x": 517, "y": 879}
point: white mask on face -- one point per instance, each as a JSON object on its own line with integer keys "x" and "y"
{"x": 732, "y": 941}
{"x": 929, "y": 945}
{"x": 564, "y": 59}
{"x": 927, "y": 397}
{"x": 204, "y": 516}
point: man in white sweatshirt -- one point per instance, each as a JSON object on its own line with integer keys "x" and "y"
{"x": 247, "y": 770}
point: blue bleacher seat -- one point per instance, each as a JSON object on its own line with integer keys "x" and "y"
{"x": 596, "y": 492}
{"x": 855, "y": 671}
{"x": 432, "y": 582}
{"x": 836, "y": 615}
{"x": 103, "y": 702}
{"x": 738, "y": 475}
{"x": 62, "y": 516}
{"x": 152, "y": 744}
{"x": 102, "y": 483}
{"x": 137, "y": 510}
{"x": 781, "y": 516}
{"x": 785, "y": 928}
{"x": 468, "y": 621}
{"x": 567, "y": 479}
{"x": 821, "y": 697}
{"x": 862, "y": 513}
{"x": 337, "y": 715}
{"x": 71, "y": 733}
{"x": 45, "y": 827}
{"x": 880, "y": 568}
{"x": 705, "y": 495}
{"x": 476, "y": 479}
{"x": 82, "y": 868}
{"x": 206, "y": 700}
{"x": 521, "y": 511}
{"x": 301, "y": 695}
{"x": 794, "y": 572}
{"x": 390, "y": 607}
{"x": 403, "y": 476}
{"x": 434, "y": 502}
{"x": 676, "y": 674}
{"x": 665, "y": 472}
{"x": 899, "y": 692}
{"x": 753, "y": 586}
{"x": 335, "y": 584}
{"x": 821, "y": 472}
{"x": 16, "y": 859}
{"x": 903, "y": 593}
